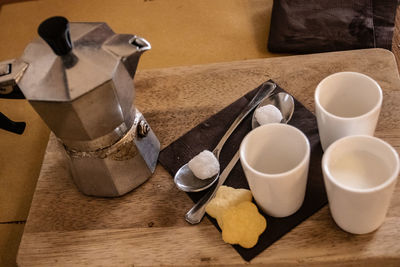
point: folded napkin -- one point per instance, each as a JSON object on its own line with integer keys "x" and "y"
{"x": 299, "y": 26}
{"x": 207, "y": 134}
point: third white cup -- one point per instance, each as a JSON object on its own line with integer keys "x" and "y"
{"x": 360, "y": 174}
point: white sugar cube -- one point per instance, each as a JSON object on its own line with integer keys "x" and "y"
{"x": 268, "y": 114}
{"x": 204, "y": 165}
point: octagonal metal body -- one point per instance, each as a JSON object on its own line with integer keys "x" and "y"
{"x": 119, "y": 168}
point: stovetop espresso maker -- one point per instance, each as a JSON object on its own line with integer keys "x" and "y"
{"x": 79, "y": 79}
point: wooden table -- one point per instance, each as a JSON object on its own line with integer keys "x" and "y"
{"x": 146, "y": 226}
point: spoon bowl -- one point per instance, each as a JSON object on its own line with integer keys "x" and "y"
{"x": 185, "y": 174}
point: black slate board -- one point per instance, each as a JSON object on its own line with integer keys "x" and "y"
{"x": 207, "y": 134}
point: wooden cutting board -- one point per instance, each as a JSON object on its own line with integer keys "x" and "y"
{"x": 147, "y": 227}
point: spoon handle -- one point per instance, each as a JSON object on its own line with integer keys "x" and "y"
{"x": 266, "y": 89}
{"x": 196, "y": 213}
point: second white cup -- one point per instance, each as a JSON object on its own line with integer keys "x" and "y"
{"x": 346, "y": 103}
{"x": 275, "y": 159}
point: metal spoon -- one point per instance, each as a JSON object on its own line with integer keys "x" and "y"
{"x": 184, "y": 178}
{"x": 285, "y": 103}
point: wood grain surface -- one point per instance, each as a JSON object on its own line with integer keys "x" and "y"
{"x": 147, "y": 227}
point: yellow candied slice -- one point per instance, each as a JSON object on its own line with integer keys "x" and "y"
{"x": 242, "y": 224}
{"x": 225, "y": 198}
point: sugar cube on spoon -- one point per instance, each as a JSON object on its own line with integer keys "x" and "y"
{"x": 204, "y": 165}
{"x": 268, "y": 114}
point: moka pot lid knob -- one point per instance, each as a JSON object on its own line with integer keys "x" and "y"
{"x": 55, "y": 31}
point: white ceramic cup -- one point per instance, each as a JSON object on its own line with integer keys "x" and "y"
{"x": 346, "y": 103}
{"x": 275, "y": 159}
{"x": 360, "y": 173}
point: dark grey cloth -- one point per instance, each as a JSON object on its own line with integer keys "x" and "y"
{"x": 300, "y": 26}
{"x": 206, "y": 136}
